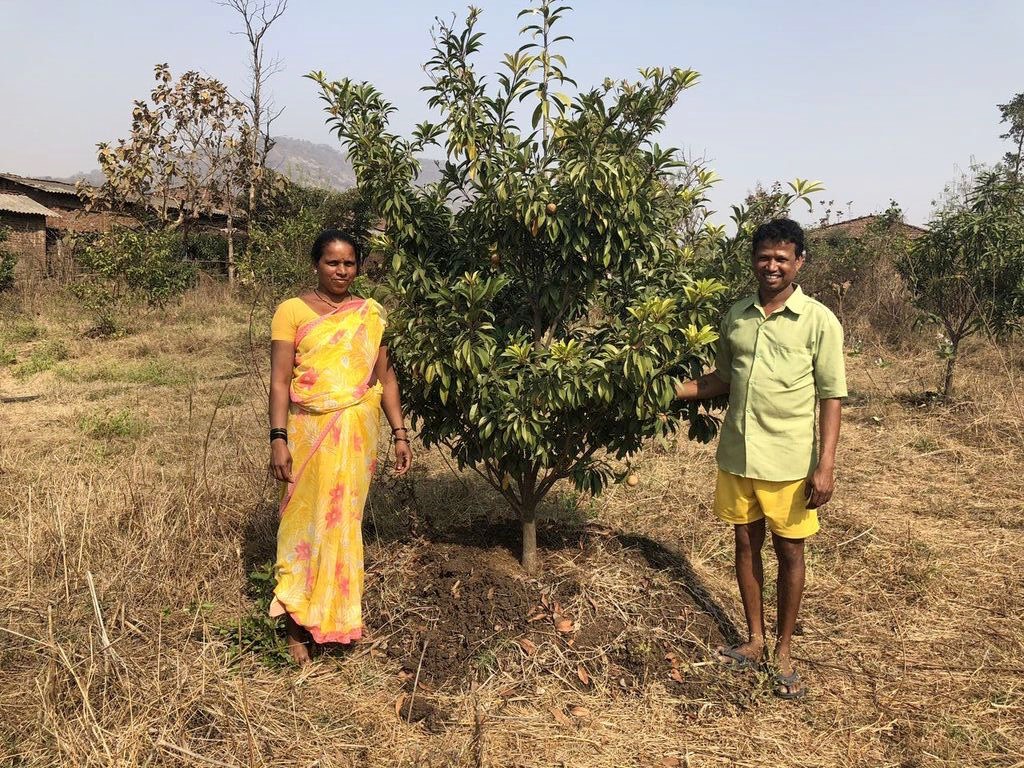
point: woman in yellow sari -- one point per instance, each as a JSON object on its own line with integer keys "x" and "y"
{"x": 330, "y": 377}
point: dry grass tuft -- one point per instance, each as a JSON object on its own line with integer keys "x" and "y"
{"x": 135, "y": 516}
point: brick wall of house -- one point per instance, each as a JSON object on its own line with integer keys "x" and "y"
{"x": 26, "y": 237}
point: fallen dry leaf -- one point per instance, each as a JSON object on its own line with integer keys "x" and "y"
{"x": 582, "y": 674}
{"x": 399, "y": 703}
{"x": 559, "y": 715}
{"x": 529, "y": 647}
{"x": 676, "y": 675}
{"x": 581, "y": 712}
{"x": 564, "y": 625}
{"x": 537, "y": 616}
{"x": 671, "y": 762}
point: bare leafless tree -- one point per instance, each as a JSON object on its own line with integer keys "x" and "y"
{"x": 257, "y": 18}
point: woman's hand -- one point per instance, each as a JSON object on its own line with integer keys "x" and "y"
{"x": 281, "y": 461}
{"x": 403, "y": 457}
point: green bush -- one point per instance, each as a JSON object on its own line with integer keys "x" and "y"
{"x": 856, "y": 277}
{"x": 23, "y": 330}
{"x": 113, "y": 425}
{"x": 44, "y": 357}
{"x": 7, "y": 262}
{"x": 207, "y": 251}
{"x": 124, "y": 266}
{"x": 256, "y": 632}
{"x": 277, "y": 257}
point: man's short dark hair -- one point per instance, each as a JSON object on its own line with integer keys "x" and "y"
{"x": 779, "y": 231}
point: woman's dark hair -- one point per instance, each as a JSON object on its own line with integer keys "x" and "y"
{"x": 779, "y": 231}
{"x": 329, "y": 236}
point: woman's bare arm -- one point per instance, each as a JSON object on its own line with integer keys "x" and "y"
{"x": 282, "y": 360}
{"x": 391, "y": 403}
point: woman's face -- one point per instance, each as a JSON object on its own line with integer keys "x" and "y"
{"x": 337, "y": 267}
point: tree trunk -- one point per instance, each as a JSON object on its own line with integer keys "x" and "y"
{"x": 947, "y": 382}
{"x": 231, "y": 250}
{"x": 530, "y": 559}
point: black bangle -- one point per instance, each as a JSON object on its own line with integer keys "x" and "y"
{"x": 399, "y": 429}
{"x": 278, "y": 433}
{"x": 402, "y": 440}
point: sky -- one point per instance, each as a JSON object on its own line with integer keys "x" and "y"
{"x": 877, "y": 100}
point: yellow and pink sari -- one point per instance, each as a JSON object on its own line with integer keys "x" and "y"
{"x": 333, "y": 423}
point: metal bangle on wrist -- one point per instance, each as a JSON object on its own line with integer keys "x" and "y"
{"x": 278, "y": 433}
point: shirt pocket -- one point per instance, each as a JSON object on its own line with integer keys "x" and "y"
{"x": 792, "y": 367}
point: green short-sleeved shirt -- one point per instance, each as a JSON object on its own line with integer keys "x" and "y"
{"x": 776, "y": 368}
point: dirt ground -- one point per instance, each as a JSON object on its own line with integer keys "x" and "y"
{"x": 136, "y": 521}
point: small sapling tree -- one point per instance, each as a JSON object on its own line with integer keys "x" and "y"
{"x": 544, "y": 285}
{"x": 967, "y": 272}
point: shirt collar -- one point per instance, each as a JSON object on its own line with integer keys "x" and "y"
{"x": 796, "y": 303}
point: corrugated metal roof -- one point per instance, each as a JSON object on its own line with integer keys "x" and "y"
{"x": 44, "y": 185}
{"x": 23, "y": 204}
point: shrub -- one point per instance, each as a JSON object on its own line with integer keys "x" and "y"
{"x": 123, "y": 266}
{"x": 857, "y": 276}
{"x": 277, "y": 256}
{"x": 7, "y": 262}
{"x": 44, "y": 357}
{"x": 108, "y": 425}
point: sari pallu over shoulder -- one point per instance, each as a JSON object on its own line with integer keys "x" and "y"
{"x": 335, "y": 355}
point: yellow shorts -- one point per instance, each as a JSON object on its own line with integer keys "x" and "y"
{"x": 742, "y": 500}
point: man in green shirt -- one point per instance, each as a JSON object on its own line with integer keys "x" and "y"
{"x": 779, "y": 352}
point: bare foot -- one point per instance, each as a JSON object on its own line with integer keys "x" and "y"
{"x": 743, "y": 656}
{"x": 298, "y": 642}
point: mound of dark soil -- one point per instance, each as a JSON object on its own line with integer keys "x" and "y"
{"x": 451, "y": 614}
{"x": 463, "y": 604}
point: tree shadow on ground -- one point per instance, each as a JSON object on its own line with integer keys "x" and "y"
{"x": 259, "y": 536}
{"x": 675, "y": 564}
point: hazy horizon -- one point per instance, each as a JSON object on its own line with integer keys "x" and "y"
{"x": 879, "y": 101}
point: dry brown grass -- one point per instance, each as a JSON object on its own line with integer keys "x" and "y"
{"x": 135, "y": 502}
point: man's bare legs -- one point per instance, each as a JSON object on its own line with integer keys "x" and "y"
{"x": 790, "y": 590}
{"x": 298, "y": 640}
{"x": 750, "y": 578}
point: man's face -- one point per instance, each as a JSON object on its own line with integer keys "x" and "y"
{"x": 775, "y": 266}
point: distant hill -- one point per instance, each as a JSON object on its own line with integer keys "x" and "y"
{"x": 303, "y": 162}
{"x": 323, "y": 166}
{"x": 94, "y": 177}
{"x": 312, "y": 165}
